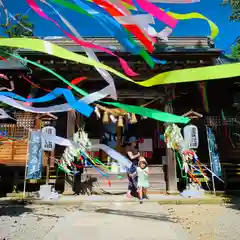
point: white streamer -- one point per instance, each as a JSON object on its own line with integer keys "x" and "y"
{"x": 4, "y": 115}
{"x": 68, "y": 143}
{"x": 162, "y": 34}
{"x": 90, "y": 53}
{"x": 141, "y": 20}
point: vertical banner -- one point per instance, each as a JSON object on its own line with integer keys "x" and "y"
{"x": 216, "y": 166}
{"x": 34, "y": 163}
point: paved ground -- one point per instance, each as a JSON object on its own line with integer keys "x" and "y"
{"x": 120, "y": 221}
{"x": 103, "y": 221}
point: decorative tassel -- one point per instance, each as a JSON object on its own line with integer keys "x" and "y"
{"x": 114, "y": 120}
{"x": 105, "y": 117}
{"x": 97, "y": 112}
{"x": 120, "y": 121}
{"x": 133, "y": 119}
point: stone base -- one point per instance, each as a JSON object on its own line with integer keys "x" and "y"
{"x": 173, "y": 192}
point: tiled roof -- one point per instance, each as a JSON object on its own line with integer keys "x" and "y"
{"x": 174, "y": 44}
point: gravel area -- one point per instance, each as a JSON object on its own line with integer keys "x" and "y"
{"x": 29, "y": 222}
{"x": 208, "y": 222}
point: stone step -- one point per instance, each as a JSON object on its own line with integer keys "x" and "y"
{"x": 152, "y": 169}
{"x": 114, "y": 177}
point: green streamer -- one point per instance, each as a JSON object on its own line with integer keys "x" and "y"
{"x": 145, "y": 55}
{"x": 71, "y": 6}
{"x": 180, "y": 165}
{"x": 146, "y": 112}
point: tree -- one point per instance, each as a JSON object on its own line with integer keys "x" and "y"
{"x": 21, "y": 27}
{"x": 235, "y": 5}
{"x": 236, "y": 51}
{"x": 18, "y": 26}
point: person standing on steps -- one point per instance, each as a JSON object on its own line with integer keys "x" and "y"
{"x": 133, "y": 155}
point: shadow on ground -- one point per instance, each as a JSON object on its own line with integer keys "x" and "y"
{"x": 233, "y": 201}
{"x": 14, "y": 211}
{"x": 135, "y": 214}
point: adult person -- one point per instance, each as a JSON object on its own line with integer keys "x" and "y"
{"x": 133, "y": 155}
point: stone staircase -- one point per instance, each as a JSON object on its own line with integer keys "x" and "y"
{"x": 118, "y": 182}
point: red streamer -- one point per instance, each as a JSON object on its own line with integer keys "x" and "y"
{"x": 76, "y": 81}
{"x": 123, "y": 63}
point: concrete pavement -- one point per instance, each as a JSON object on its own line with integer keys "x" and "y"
{"x": 118, "y": 221}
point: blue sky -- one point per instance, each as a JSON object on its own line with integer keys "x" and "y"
{"x": 88, "y": 27}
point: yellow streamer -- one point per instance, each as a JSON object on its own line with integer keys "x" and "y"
{"x": 187, "y": 16}
{"x": 176, "y": 76}
{"x": 194, "y": 15}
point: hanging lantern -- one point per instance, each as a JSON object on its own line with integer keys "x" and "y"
{"x": 105, "y": 117}
{"x": 191, "y": 138}
{"x": 120, "y": 121}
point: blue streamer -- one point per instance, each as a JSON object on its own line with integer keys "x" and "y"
{"x": 110, "y": 24}
{"x": 79, "y": 106}
{"x": 103, "y": 174}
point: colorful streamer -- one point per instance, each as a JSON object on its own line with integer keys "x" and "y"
{"x": 11, "y": 83}
{"x": 176, "y": 76}
{"x": 76, "y": 81}
{"x": 129, "y": 22}
{"x": 71, "y": 6}
{"x": 157, "y": 115}
{"x": 187, "y": 16}
{"x": 116, "y": 30}
{"x": 175, "y": 1}
{"x": 193, "y": 15}
{"x": 155, "y": 11}
{"x": 68, "y": 143}
{"x": 90, "y": 53}
{"x": 3, "y": 114}
{"x": 40, "y": 12}
{"x": 80, "y": 106}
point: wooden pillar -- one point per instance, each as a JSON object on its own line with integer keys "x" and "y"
{"x": 71, "y": 118}
{"x": 171, "y": 161}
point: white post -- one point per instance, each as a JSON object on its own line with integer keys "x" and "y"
{"x": 211, "y": 163}
{"x": 26, "y": 166}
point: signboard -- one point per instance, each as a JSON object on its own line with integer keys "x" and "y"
{"x": 47, "y": 145}
{"x": 34, "y": 163}
{"x": 191, "y": 138}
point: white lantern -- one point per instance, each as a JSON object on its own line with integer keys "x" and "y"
{"x": 48, "y": 145}
{"x": 191, "y": 138}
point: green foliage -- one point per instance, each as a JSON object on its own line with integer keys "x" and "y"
{"x": 236, "y": 52}
{"x": 235, "y": 5}
{"x": 21, "y": 27}
{"x": 18, "y": 27}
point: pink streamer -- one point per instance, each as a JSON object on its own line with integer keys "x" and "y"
{"x": 123, "y": 63}
{"x": 156, "y": 12}
{"x": 4, "y": 76}
{"x": 175, "y": 1}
